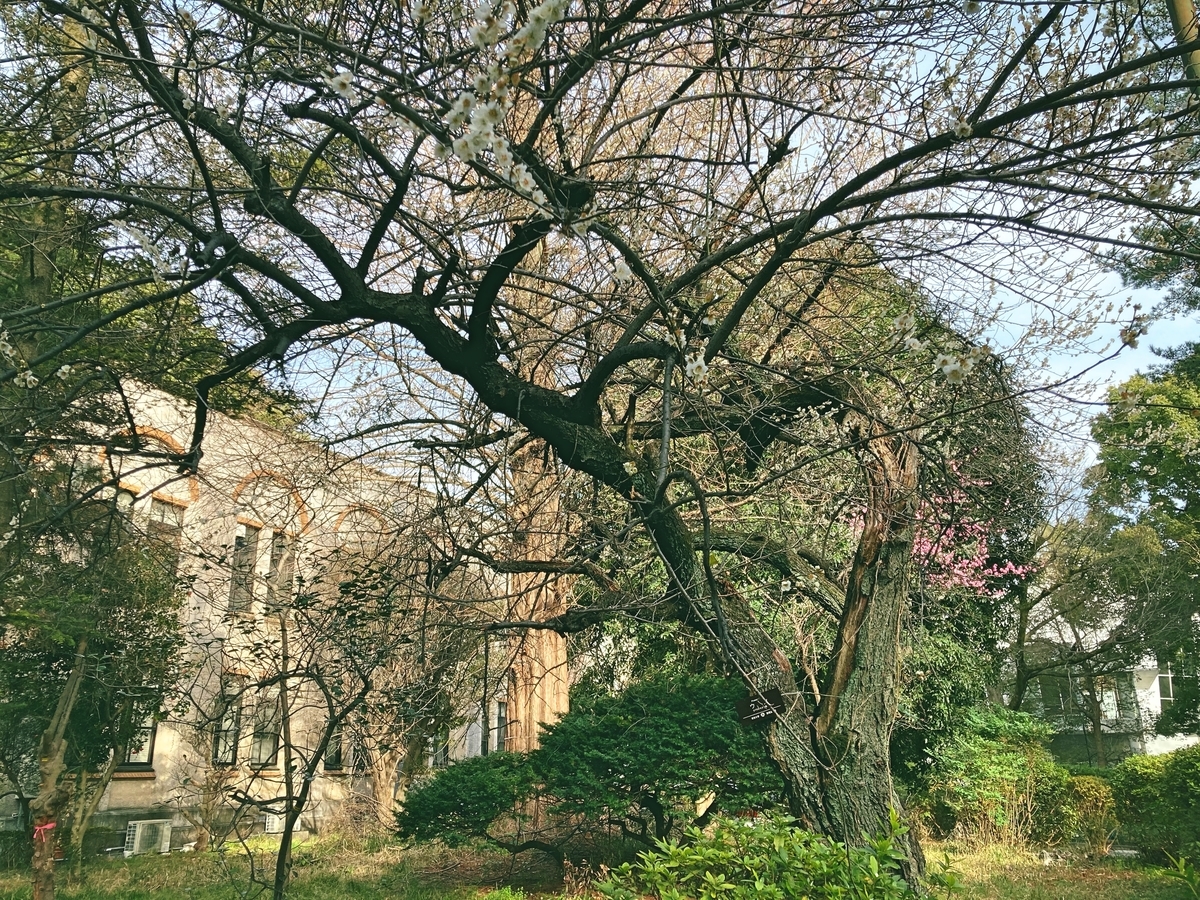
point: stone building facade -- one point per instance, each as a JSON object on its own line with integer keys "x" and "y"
{"x": 304, "y": 574}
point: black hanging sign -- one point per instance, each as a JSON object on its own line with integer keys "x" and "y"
{"x": 761, "y": 707}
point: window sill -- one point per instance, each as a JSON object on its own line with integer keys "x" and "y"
{"x": 133, "y": 774}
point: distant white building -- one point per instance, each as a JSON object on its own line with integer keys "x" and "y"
{"x": 1130, "y": 703}
{"x": 1154, "y": 690}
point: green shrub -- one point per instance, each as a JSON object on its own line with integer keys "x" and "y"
{"x": 993, "y": 781}
{"x": 15, "y": 849}
{"x": 642, "y": 760}
{"x": 462, "y": 801}
{"x": 1157, "y": 802}
{"x": 639, "y": 764}
{"x": 1095, "y": 812}
{"x": 504, "y": 892}
{"x": 765, "y": 860}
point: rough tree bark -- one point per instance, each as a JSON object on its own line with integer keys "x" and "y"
{"x": 52, "y": 794}
{"x": 833, "y": 750}
{"x": 88, "y": 792}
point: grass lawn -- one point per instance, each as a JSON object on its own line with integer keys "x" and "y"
{"x": 333, "y": 869}
{"x": 1002, "y": 873}
{"x": 328, "y": 869}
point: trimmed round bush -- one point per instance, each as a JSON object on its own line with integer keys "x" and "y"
{"x": 1157, "y": 800}
{"x": 462, "y": 801}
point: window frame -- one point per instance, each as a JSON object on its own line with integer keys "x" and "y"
{"x": 164, "y": 531}
{"x": 281, "y": 568}
{"x": 243, "y": 567}
{"x": 501, "y": 729}
{"x": 334, "y": 760}
{"x": 149, "y": 727}
{"x": 1166, "y": 700}
{"x": 267, "y": 732}
{"x": 227, "y": 726}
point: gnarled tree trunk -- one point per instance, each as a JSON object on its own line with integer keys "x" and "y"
{"x": 833, "y": 750}
{"x": 52, "y": 793}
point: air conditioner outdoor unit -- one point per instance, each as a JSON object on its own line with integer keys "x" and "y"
{"x": 148, "y": 836}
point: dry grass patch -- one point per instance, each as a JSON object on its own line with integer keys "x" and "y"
{"x": 1005, "y": 873}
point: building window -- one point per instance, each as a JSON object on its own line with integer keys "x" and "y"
{"x": 1166, "y": 689}
{"x": 501, "y": 725}
{"x": 245, "y": 555}
{"x": 439, "y": 749}
{"x": 166, "y": 529}
{"x": 334, "y": 755}
{"x": 140, "y": 752}
{"x": 227, "y": 724}
{"x": 1108, "y": 696}
{"x": 268, "y": 722}
{"x": 281, "y": 573}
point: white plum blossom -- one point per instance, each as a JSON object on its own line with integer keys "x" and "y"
{"x": 341, "y": 83}
{"x": 1157, "y": 190}
{"x": 954, "y": 372}
{"x": 914, "y": 343}
{"x": 942, "y": 360}
{"x": 420, "y": 12}
{"x": 26, "y": 379}
{"x": 962, "y": 129}
{"x": 695, "y": 367}
{"x": 980, "y": 352}
{"x": 621, "y": 272}
{"x": 630, "y": 467}
{"x": 1126, "y": 399}
{"x": 504, "y": 156}
{"x": 488, "y": 114}
{"x": 405, "y": 126}
{"x": 531, "y": 35}
{"x": 484, "y": 34}
{"x": 523, "y": 178}
{"x": 460, "y": 109}
{"x": 903, "y": 322}
{"x": 64, "y": 372}
{"x": 463, "y": 149}
{"x": 971, "y": 7}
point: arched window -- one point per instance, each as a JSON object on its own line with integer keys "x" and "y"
{"x": 151, "y": 494}
{"x": 271, "y": 515}
{"x": 361, "y": 531}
